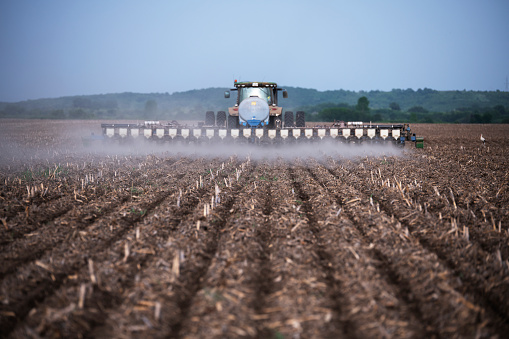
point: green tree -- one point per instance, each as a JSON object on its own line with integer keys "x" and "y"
{"x": 80, "y": 114}
{"x": 418, "y": 109}
{"x": 362, "y": 104}
{"x": 335, "y": 113}
{"x": 377, "y": 117}
{"x": 413, "y": 117}
{"x": 499, "y": 110}
{"x": 58, "y": 114}
{"x": 395, "y": 106}
{"x": 13, "y": 110}
{"x": 150, "y": 108}
{"x": 487, "y": 118}
{"x": 82, "y": 102}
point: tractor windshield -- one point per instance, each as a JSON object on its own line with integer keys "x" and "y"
{"x": 260, "y": 92}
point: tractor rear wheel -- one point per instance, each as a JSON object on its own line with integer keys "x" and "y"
{"x": 210, "y": 119}
{"x": 233, "y": 122}
{"x": 300, "y": 119}
{"x": 288, "y": 119}
{"x": 221, "y": 119}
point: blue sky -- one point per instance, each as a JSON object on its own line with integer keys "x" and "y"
{"x": 59, "y": 48}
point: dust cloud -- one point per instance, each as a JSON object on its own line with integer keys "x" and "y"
{"x": 27, "y": 143}
{"x": 256, "y": 152}
{"x": 16, "y": 155}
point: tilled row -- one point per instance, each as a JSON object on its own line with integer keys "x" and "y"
{"x": 461, "y": 302}
{"x": 368, "y": 302}
{"x": 263, "y": 281}
{"x": 82, "y": 208}
{"x": 479, "y": 174}
{"x": 158, "y": 303}
{"x": 235, "y": 286}
{"x": 62, "y": 229}
{"x": 479, "y": 202}
{"x": 482, "y": 270}
{"x": 69, "y": 225}
{"x": 224, "y": 248}
{"x": 70, "y": 192}
{"x": 62, "y": 266}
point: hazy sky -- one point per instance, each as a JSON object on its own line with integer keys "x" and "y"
{"x": 60, "y": 48}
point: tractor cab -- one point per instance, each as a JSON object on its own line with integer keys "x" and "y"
{"x": 257, "y": 103}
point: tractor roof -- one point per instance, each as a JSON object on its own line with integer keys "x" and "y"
{"x": 255, "y": 84}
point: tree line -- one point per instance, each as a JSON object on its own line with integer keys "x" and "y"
{"x": 329, "y": 112}
{"x": 422, "y": 105}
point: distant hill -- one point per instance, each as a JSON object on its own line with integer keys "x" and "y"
{"x": 193, "y": 104}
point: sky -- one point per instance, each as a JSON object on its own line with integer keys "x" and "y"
{"x": 57, "y": 48}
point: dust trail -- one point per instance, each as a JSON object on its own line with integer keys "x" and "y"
{"x": 285, "y": 151}
{"x": 27, "y": 143}
{"x": 16, "y": 154}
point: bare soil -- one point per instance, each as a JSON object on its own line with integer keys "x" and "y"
{"x": 104, "y": 243}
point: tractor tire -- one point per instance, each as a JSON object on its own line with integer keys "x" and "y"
{"x": 300, "y": 119}
{"x": 210, "y": 118}
{"x": 288, "y": 119}
{"x": 221, "y": 119}
{"x": 233, "y": 122}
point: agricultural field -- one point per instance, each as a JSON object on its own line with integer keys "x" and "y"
{"x": 223, "y": 242}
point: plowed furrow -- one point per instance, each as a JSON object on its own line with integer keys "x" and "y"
{"x": 446, "y": 194}
{"x": 482, "y": 275}
{"x": 256, "y": 284}
{"x": 74, "y": 189}
{"x": 476, "y": 305}
{"x": 185, "y": 293}
{"x": 174, "y": 273}
{"x": 26, "y": 225}
{"x": 263, "y": 275}
{"x": 57, "y": 232}
{"x": 45, "y": 284}
{"x": 194, "y": 276}
{"x": 63, "y": 228}
{"x": 300, "y": 304}
{"x": 128, "y": 268}
{"x": 10, "y": 208}
{"x": 482, "y": 186}
{"x": 239, "y": 270}
{"x": 367, "y": 284}
{"x": 98, "y": 299}
{"x": 325, "y": 259}
{"x": 38, "y": 217}
{"x": 400, "y": 287}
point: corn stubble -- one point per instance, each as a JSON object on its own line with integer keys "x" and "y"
{"x": 165, "y": 244}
